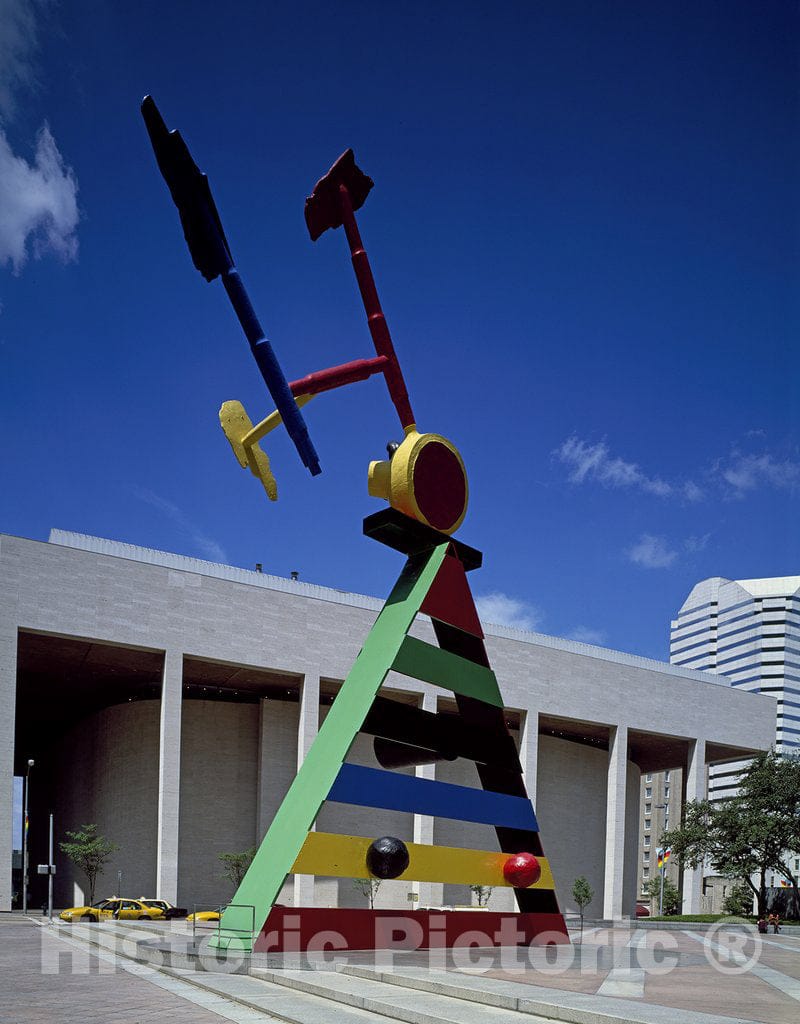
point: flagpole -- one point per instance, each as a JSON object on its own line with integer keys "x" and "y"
{"x": 663, "y": 856}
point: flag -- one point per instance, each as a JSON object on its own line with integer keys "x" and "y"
{"x": 27, "y": 824}
{"x": 663, "y": 857}
{"x": 785, "y": 883}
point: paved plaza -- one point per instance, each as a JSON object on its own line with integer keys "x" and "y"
{"x": 723, "y": 973}
{"x": 98, "y": 992}
{"x": 688, "y": 975}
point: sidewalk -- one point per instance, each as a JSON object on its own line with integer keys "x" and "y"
{"x": 688, "y": 970}
{"x": 626, "y": 976}
{"x": 102, "y": 995}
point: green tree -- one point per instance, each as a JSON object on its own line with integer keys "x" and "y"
{"x": 235, "y": 865}
{"x": 749, "y": 834}
{"x": 739, "y": 901}
{"x": 672, "y": 896}
{"x": 368, "y": 887}
{"x": 583, "y": 894}
{"x": 88, "y": 851}
{"x": 482, "y": 894}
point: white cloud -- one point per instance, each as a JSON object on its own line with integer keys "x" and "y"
{"x": 691, "y": 492}
{"x": 652, "y": 552}
{"x": 589, "y": 462}
{"x": 38, "y": 203}
{"x": 38, "y": 200}
{"x": 744, "y": 473}
{"x": 18, "y": 45}
{"x": 586, "y": 635}
{"x": 209, "y": 548}
{"x": 737, "y": 475}
{"x": 501, "y": 610}
{"x": 696, "y": 543}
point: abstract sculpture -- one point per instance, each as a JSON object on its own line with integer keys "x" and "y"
{"x": 425, "y": 485}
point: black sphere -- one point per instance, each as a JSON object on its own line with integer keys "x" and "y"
{"x": 387, "y": 857}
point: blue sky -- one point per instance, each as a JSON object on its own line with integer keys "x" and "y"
{"x": 584, "y": 231}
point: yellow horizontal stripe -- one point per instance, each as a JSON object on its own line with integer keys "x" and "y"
{"x": 325, "y": 853}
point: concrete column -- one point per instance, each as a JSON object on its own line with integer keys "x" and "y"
{"x": 308, "y": 725}
{"x": 613, "y": 884}
{"x": 307, "y": 729}
{"x": 169, "y": 777}
{"x": 8, "y": 698}
{"x": 695, "y": 789}
{"x": 529, "y": 751}
{"x": 430, "y": 894}
{"x": 277, "y": 753}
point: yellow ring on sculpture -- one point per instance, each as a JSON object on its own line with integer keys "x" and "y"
{"x": 425, "y": 480}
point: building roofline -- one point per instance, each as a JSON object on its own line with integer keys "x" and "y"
{"x": 298, "y": 588}
{"x": 771, "y": 586}
{"x": 764, "y": 587}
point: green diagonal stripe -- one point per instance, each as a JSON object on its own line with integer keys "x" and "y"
{"x": 433, "y": 665}
{"x": 313, "y": 782}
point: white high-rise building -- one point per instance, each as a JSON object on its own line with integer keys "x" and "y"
{"x": 748, "y": 630}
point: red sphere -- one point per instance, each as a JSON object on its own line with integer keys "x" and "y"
{"x": 522, "y": 870}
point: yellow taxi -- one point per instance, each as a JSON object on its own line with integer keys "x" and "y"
{"x": 204, "y": 915}
{"x": 169, "y": 909}
{"x": 116, "y": 908}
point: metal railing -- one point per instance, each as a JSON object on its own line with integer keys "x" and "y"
{"x": 230, "y": 932}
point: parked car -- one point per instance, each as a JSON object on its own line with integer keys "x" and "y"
{"x": 169, "y": 911}
{"x": 204, "y": 915}
{"x": 642, "y": 910}
{"x": 116, "y": 907}
{"x": 96, "y": 912}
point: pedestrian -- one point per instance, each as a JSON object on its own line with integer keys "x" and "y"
{"x": 762, "y": 925}
{"x": 776, "y": 923}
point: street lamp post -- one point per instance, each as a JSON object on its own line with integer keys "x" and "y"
{"x": 50, "y": 874}
{"x": 25, "y": 841}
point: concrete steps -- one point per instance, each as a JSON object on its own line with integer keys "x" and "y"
{"x": 149, "y": 944}
{"x": 533, "y": 1002}
{"x": 356, "y": 994}
{"x": 485, "y": 993}
{"x": 470, "y": 989}
{"x": 295, "y": 1006}
{"x": 315, "y": 997}
{"x": 413, "y": 1005}
{"x": 259, "y": 1001}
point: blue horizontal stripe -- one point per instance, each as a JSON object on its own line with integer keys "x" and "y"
{"x": 372, "y": 787}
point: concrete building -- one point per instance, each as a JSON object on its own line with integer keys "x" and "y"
{"x": 660, "y": 805}
{"x": 170, "y": 701}
{"x": 749, "y": 631}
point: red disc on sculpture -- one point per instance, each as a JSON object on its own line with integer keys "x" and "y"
{"x": 440, "y": 487}
{"x": 522, "y": 870}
